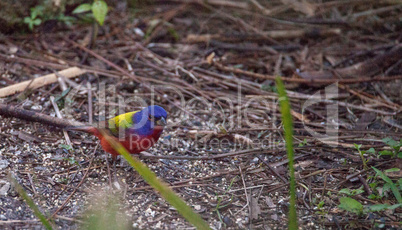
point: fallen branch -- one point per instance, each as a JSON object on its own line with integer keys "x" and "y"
{"x": 305, "y": 81}
{"x": 11, "y": 111}
{"x": 275, "y": 34}
{"x": 40, "y": 81}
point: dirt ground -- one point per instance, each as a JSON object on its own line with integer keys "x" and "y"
{"x": 212, "y": 66}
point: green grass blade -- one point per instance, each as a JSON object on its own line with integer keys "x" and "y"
{"x": 288, "y": 127}
{"x": 393, "y": 187}
{"x": 165, "y": 191}
{"x": 30, "y": 203}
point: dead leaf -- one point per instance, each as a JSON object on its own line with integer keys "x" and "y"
{"x": 301, "y": 6}
{"x": 4, "y": 188}
{"x": 28, "y": 137}
{"x": 304, "y": 164}
{"x": 365, "y": 120}
{"x": 243, "y": 140}
{"x": 269, "y": 202}
{"x": 210, "y": 58}
{"x": 255, "y": 208}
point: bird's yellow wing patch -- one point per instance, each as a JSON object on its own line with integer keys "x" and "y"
{"x": 123, "y": 121}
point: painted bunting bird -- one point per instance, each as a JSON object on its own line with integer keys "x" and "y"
{"x": 137, "y": 131}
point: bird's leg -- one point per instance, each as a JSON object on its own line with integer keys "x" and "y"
{"x": 108, "y": 170}
{"x": 116, "y": 181}
{"x": 114, "y": 158}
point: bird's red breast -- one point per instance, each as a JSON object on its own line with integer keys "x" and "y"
{"x": 132, "y": 142}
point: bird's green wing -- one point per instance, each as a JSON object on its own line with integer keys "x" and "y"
{"x": 123, "y": 122}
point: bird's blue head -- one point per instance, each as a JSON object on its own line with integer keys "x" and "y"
{"x": 151, "y": 118}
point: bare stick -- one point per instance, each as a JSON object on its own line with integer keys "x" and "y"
{"x": 306, "y": 81}
{"x": 56, "y": 108}
{"x": 276, "y": 34}
{"x": 40, "y": 81}
{"x": 11, "y": 111}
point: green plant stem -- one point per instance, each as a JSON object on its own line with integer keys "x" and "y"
{"x": 30, "y": 203}
{"x": 288, "y": 127}
{"x": 363, "y": 160}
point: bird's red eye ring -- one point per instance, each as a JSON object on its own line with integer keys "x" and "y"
{"x": 150, "y": 117}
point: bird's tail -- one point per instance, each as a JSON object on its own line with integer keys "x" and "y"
{"x": 86, "y": 129}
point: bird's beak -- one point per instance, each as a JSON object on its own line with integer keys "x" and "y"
{"x": 161, "y": 122}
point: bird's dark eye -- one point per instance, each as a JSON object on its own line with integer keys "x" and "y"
{"x": 150, "y": 117}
